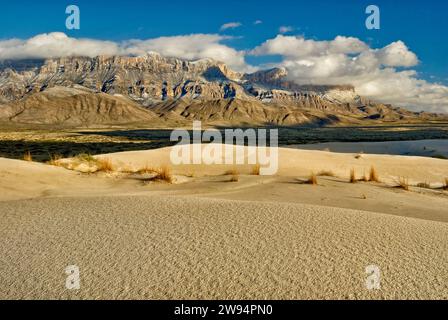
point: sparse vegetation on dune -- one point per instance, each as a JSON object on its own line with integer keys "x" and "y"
{"x": 104, "y": 165}
{"x": 403, "y": 183}
{"x": 373, "y": 175}
{"x": 312, "y": 179}
{"x": 353, "y": 176}
{"x": 445, "y": 184}
{"x": 164, "y": 174}
{"x": 256, "y": 170}
{"x": 54, "y": 160}
{"x": 27, "y": 156}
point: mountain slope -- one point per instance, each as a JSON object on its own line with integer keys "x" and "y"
{"x": 75, "y": 107}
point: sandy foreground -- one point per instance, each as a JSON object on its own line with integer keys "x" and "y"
{"x": 205, "y": 238}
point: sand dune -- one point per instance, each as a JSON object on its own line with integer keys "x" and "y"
{"x": 259, "y": 238}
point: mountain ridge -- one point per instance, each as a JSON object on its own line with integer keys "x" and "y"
{"x": 194, "y": 90}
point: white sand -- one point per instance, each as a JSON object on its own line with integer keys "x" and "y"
{"x": 190, "y": 241}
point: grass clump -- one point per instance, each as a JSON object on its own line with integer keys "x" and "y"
{"x": 104, "y": 165}
{"x": 164, "y": 174}
{"x": 445, "y": 184}
{"x": 28, "y": 157}
{"x": 256, "y": 170}
{"x": 373, "y": 175}
{"x": 54, "y": 160}
{"x": 312, "y": 179}
{"x": 403, "y": 183}
{"x": 352, "y": 176}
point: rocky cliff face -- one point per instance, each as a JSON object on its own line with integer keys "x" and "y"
{"x": 170, "y": 87}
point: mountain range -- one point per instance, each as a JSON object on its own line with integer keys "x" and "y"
{"x": 163, "y": 91}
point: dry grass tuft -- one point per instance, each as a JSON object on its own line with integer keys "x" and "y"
{"x": 104, "y": 165}
{"x": 54, "y": 160}
{"x": 312, "y": 179}
{"x": 352, "y": 176}
{"x": 403, "y": 183}
{"x": 164, "y": 174}
{"x": 326, "y": 173}
{"x": 373, "y": 175}
{"x": 445, "y": 185}
{"x": 28, "y": 157}
{"x": 256, "y": 170}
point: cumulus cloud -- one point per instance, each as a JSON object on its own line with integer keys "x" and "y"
{"x": 190, "y": 47}
{"x": 53, "y": 45}
{"x": 258, "y": 22}
{"x": 230, "y": 25}
{"x": 376, "y": 73}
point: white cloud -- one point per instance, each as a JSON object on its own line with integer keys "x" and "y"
{"x": 230, "y": 25}
{"x": 285, "y": 29}
{"x": 54, "y": 45}
{"x": 190, "y": 47}
{"x": 348, "y": 60}
{"x": 258, "y": 22}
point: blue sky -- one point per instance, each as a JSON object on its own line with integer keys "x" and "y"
{"x": 420, "y": 26}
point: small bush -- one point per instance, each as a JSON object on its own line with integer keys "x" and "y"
{"x": 27, "y": 156}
